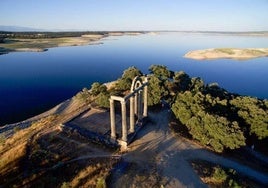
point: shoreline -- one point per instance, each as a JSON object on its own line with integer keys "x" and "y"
{"x": 43, "y": 44}
{"x": 51, "y": 111}
{"x": 227, "y": 53}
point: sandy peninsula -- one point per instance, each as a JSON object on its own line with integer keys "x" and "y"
{"x": 227, "y": 53}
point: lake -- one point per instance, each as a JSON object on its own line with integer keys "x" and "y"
{"x": 32, "y": 82}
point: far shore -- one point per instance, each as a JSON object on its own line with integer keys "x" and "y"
{"x": 227, "y": 53}
{"x": 43, "y": 44}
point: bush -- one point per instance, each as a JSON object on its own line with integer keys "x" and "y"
{"x": 101, "y": 183}
{"x": 65, "y": 185}
{"x": 97, "y": 88}
{"x": 103, "y": 100}
{"x": 2, "y": 139}
{"x": 83, "y": 96}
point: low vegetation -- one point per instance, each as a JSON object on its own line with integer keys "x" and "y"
{"x": 225, "y": 50}
{"x": 218, "y": 176}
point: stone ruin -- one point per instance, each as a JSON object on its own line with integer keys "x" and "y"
{"x": 138, "y": 109}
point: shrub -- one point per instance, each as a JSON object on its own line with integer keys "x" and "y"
{"x": 103, "y": 100}
{"x": 2, "y": 139}
{"x": 97, "y": 88}
{"x": 101, "y": 183}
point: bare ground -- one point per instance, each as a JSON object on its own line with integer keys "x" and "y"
{"x": 159, "y": 158}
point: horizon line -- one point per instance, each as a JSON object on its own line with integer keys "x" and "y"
{"x": 193, "y": 31}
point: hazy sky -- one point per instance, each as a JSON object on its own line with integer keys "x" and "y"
{"x": 227, "y": 15}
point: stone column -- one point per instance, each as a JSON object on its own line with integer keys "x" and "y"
{"x": 132, "y": 115}
{"x": 145, "y": 101}
{"x": 136, "y": 104}
{"x": 139, "y": 105}
{"x": 124, "y": 121}
{"x": 112, "y": 116}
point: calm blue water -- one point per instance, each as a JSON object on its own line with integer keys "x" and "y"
{"x": 34, "y": 82}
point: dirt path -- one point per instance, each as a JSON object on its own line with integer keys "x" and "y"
{"x": 163, "y": 159}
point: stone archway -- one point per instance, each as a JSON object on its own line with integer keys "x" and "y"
{"x": 138, "y": 107}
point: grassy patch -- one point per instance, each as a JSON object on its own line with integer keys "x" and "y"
{"x": 218, "y": 176}
{"x": 228, "y": 51}
{"x": 254, "y": 52}
{"x": 2, "y": 139}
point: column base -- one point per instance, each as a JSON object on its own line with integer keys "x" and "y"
{"x": 123, "y": 145}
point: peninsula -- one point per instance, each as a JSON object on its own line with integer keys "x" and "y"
{"x": 227, "y": 53}
{"x": 41, "y": 41}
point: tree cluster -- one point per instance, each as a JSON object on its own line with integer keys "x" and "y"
{"x": 38, "y": 35}
{"x": 212, "y": 115}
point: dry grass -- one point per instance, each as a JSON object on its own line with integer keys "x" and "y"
{"x": 40, "y": 155}
{"x": 92, "y": 175}
{"x": 15, "y": 151}
{"x": 45, "y": 155}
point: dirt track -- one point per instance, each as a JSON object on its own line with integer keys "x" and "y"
{"x": 161, "y": 158}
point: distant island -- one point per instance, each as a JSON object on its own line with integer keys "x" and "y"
{"x": 227, "y": 53}
{"x": 41, "y": 41}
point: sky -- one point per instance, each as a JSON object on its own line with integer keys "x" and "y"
{"x": 105, "y": 15}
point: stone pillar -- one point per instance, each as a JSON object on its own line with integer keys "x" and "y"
{"x": 112, "y": 116}
{"x": 132, "y": 115}
{"x": 136, "y": 104}
{"x": 139, "y": 105}
{"x": 124, "y": 121}
{"x": 145, "y": 101}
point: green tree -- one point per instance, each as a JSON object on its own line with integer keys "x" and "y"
{"x": 156, "y": 91}
{"x": 103, "y": 100}
{"x": 255, "y": 114}
{"x": 197, "y": 84}
{"x": 204, "y": 126}
{"x": 124, "y": 83}
{"x": 97, "y": 88}
{"x": 160, "y": 71}
{"x": 182, "y": 81}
